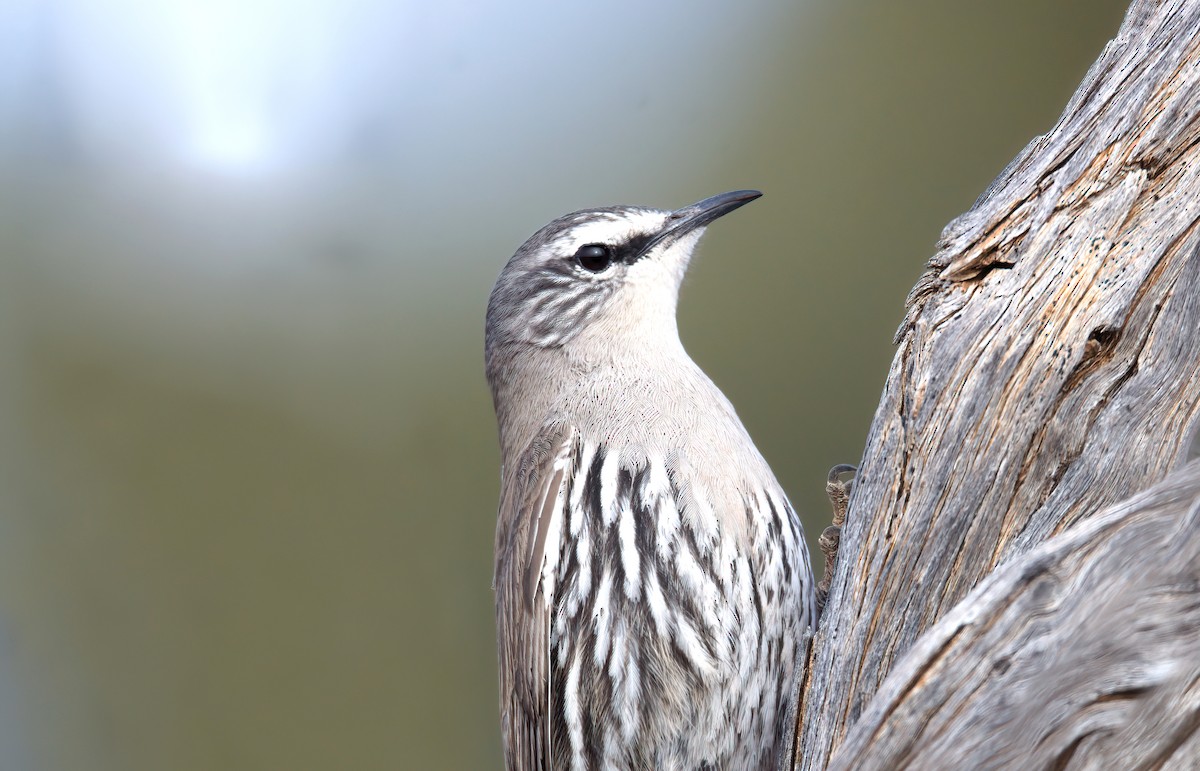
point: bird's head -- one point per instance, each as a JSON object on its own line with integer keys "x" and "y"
{"x": 599, "y": 280}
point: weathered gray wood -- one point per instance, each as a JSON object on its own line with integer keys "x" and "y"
{"x": 1086, "y": 649}
{"x": 1049, "y": 367}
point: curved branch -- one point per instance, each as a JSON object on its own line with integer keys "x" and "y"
{"x": 1087, "y": 645}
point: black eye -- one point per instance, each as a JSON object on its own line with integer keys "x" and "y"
{"x": 594, "y": 257}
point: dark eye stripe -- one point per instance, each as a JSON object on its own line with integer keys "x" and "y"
{"x": 598, "y": 257}
{"x": 633, "y": 250}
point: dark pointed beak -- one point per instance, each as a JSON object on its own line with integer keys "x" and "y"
{"x": 698, "y": 215}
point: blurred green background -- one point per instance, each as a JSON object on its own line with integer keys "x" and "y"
{"x": 248, "y": 467}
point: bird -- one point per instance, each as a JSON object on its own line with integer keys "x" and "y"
{"x": 654, "y": 597}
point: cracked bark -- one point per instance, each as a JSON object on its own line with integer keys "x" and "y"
{"x": 1048, "y": 369}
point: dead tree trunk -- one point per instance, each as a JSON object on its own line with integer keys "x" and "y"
{"x": 1074, "y": 654}
{"x": 1047, "y": 371}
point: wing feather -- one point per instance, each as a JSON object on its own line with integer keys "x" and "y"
{"x": 532, "y": 507}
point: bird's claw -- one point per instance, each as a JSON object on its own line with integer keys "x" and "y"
{"x": 837, "y": 487}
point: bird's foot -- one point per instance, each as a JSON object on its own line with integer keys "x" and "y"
{"x": 837, "y": 487}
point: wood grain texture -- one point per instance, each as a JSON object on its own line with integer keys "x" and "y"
{"x": 1048, "y": 367}
{"x": 996, "y": 684}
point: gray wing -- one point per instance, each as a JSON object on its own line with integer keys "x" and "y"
{"x": 532, "y": 510}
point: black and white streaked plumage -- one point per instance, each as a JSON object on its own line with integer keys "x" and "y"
{"x": 653, "y": 589}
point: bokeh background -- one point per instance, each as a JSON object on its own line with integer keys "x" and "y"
{"x": 248, "y": 468}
